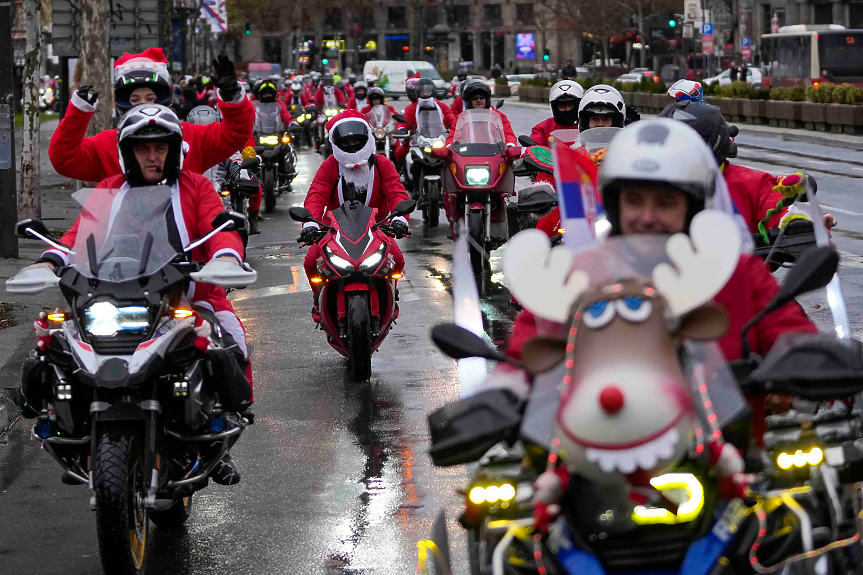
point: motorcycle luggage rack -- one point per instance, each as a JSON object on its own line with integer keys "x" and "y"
{"x": 208, "y": 437}
{"x": 47, "y": 445}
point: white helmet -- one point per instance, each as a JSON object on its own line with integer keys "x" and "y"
{"x": 563, "y": 91}
{"x": 660, "y": 151}
{"x": 370, "y": 79}
{"x": 601, "y": 100}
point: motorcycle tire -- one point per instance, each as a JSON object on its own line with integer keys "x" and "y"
{"x": 359, "y": 337}
{"x": 269, "y": 192}
{"x": 476, "y": 231}
{"x": 433, "y": 205}
{"x": 122, "y": 522}
{"x": 174, "y": 516}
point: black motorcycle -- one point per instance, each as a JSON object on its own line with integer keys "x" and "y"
{"x": 237, "y": 191}
{"x": 424, "y": 172}
{"x": 129, "y": 398}
{"x": 278, "y": 159}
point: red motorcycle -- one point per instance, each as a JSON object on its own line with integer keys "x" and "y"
{"x": 357, "y": 301}
{"x": 476, "y": 184}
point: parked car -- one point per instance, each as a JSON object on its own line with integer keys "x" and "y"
{"x": 753, "y": 78}
{"x": 634, "y": 78}
{"x": 515, "y": 81}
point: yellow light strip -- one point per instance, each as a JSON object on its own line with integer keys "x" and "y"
{"x": 686, "y": 511}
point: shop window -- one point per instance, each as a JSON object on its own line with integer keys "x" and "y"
{"x": 492, "y": 14}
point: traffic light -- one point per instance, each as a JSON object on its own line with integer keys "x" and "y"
{"x": 672, "y": 22}
{"x": 325, "y": 61}
{"x": 545, "y": 55}
{"x": 248, "y": 28}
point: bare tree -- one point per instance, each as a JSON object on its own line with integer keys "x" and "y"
{"x": 93, "y": 56}
{"x": 641, "y": 10}
{"x": 30, "y": 198}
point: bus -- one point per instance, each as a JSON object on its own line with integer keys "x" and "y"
{"x": 805, "y": 54}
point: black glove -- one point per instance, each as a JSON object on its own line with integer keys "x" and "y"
{"x": 400, "y": 229}
{"x": 308, "y": 234}
{"x": 84, "y": 94}
{"x": 226, "y": 77}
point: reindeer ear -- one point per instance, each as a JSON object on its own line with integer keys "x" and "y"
{"x": 540, "y": 277}
{"x": 704, "y": 261}
{"x": 540, "y": 354}
{"x": 707, "y": 322}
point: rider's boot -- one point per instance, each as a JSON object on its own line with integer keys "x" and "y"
{"x": 253, "y": 222}
{"x": 226, "y": 471}
{"x": 316, "y": 312}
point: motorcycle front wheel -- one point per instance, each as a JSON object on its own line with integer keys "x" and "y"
{"x": 431, "y": 209}
{"x": 478, "y": 261}
{"x": 359, "y": 337}
{"x": 269, "y": 191}
{"x": 122, "y": 522}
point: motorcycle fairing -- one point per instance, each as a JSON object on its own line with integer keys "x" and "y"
{"x": 354, "y": 221}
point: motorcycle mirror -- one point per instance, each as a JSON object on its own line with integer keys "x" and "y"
{"x": 235, "y": 220}
{"x": 250, "y": 163}
{"x": 403, "y": 208}
{"x": 399, "y": 118}
{"x": 460, "y": 343}
{"x": 300, "y": 215}
{"x": 400, "y": 133}
{"x": 813, "y": 269}
{"x": 526, "y": 141}
{"x": 499, "y": 105}
{"x": 36, "y": 228}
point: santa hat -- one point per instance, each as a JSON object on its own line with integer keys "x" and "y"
{"x": 344, "y": 116}
{"x": 152, "y": 60}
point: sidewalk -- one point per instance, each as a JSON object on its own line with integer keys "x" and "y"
{"x": 836, "y": 140}
{"x": 58, "y": 213}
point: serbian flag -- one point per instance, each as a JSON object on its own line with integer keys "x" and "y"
{"x": 576, "y": 179}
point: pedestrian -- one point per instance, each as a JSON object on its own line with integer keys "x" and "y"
{"x": 733, "y": 72}
{"x": 744, "y": 70}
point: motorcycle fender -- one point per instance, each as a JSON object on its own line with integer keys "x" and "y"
{"x": 432, "y": 178}
{"x": 375, "y": 304}
{"x": 477, "y": 206}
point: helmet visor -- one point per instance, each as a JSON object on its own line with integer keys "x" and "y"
{"x": 350, "y": 136}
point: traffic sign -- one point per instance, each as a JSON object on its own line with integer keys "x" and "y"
{"x": 133, "y": 26}
{"x": 745, "y": 41}
{"x": 707, "y": 28}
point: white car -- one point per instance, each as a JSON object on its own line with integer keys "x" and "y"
{"x": 753, "y": 78}
{"x": 634, "y": 78}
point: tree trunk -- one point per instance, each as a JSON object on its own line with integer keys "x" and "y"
{"x": 94, "y": 57}
{"x": 30, "y": 200}
{"x": 605, "y": 53}
{"x": 643, "y": 35}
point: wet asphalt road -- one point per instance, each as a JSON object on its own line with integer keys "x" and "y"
{"x": 336, "y": 478}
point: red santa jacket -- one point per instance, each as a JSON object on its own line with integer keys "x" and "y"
{"x": 352, "y": 103}
{"x": 367, "y": 109}
{"x": 195, "y": 199}
{"x": 410, "y": 115}
{"x": 349, "y": 90}
{"x": 319, "y": 97}
{"x": 747, "y": 292}
{"x": 752, "y": 193}
{"x": 508, "y": 134}
{"x": 386, "y": 192}
{"x": 457, "y": 106}
{"x": 541, "y": 133}
{"x": 300, "y": 101}
{"x": 95, "y": 158}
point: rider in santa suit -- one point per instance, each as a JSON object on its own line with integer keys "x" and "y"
{"x": 564, "y": 98}
{"x": 375, "y": 178}
{"x": 140, "y": 79}
{"x": 359, "y": 100}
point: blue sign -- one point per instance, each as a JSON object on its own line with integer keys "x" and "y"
{"x": 707, "y": 28}
{"x": 524, "y": 46}
{"x": 745, "y": 41}
{"x": 397, "y": 37}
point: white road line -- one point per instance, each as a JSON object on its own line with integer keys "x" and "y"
{"x": 841, "y": 210}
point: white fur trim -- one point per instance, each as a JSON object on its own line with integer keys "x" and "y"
{"x": 237, "y": 99}
{"x": 180, "y": 222}
{"x": 227, "y": 252}
{"x": 420, "y": 106}
{"x": 401, "y": 219}
{"x": 82, "y": 104}
{"x": 231, "y": 324}
{"x": 311, "y": 225}
{"x": 57, "y": 253}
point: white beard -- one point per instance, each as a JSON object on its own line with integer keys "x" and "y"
{"x": 429, "y": 104}
{"x": 363, "y": 176}
{"x": 361, "y": 103}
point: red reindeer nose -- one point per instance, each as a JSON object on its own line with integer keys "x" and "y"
{"x": 611, "y": 399}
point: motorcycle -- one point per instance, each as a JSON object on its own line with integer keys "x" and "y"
{"x": 274, "y": 148}
{"x": 48, "y": 100}
{"x": 300, "y": 126}
{"x": 381, "y": 120}
{"x": 322, "y": 143}
{"x": 122, "y": 384}
{"x": 680, "y": 523}
{"x": 236, "y": 191}
{"x": 533, "y": 202}
{"x": 424, "y": 172}
{"x": 359, "y": 289}
{"x": 477, "y": 184}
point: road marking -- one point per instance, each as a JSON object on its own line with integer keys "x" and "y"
{"x": 850, "y": 260}
{"x": 841, "y": 210}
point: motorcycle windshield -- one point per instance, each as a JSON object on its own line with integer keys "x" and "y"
{"x": 565, "y": 136}
{"x": 478, "y": 133}
{"x": 122, "y": 233}
{"x": 429, "y": 123}
{"x": 353, "y": 220}
{"x": 379, "y": 116}
{"x": 595, "y": 139}
{"x": 267, "y": 118}
{"x": 622, "y": 259}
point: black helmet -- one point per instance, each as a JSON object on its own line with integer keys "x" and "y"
{"x": 327, "y": 79}
{"x": 361, "y": 90}
{"x": 352, "y": 78}
{"x": 462, "y": 74}
{"x": 474, "y": 88}
{"x": 203, "y": 115}
{"x": 707, "y": 120}
{"x": 411, "y": 89}
{"x": 149, "y": 123}
{"x": 265, "y": 90}
{"x": 376, "y": 93}
{"x": 350, "y": 136}
{"x": 425, "y": 88}
{"x": 141, "y": 73}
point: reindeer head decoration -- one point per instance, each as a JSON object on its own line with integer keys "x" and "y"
{"x": 626, "y": 408}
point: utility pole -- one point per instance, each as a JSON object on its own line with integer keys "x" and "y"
{"x": 8, "y": 189}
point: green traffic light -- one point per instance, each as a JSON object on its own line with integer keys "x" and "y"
{"x": 545, "y": 57}
{"x": 325, "y": 61}
{"x": 672, "y": 23}
{"x": 248, "y": 32}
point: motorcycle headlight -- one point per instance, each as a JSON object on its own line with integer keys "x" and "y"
{"x": 380, "y": 133}
{"x": 373, "y": 260}
{"x": 301, "y": 118}
{"x": 308, "y": 116}
{"x": 438, "y": 144}
{"x": 271, "y": 140}
{"x": 104, "y": 319}
{"x": 286, "y": 139}
{"x": 337, "y": 261}
{"x": 477, "y": 175}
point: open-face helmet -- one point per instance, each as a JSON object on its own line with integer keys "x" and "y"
{"x": 376, "y": 94}
{"x": 601, "y": 100}
{"x": 473, "y": 88}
